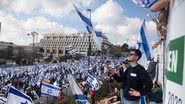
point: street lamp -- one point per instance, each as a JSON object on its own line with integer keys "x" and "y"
{"x": 33, "y": 34}
{"x": 89, "y": 49}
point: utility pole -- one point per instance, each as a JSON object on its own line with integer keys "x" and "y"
{"x": 33, "y": 34}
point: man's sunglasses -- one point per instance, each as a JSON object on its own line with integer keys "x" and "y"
{"x": 131, "y": 54}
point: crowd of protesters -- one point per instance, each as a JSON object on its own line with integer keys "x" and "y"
{"x": 133, "y": 78}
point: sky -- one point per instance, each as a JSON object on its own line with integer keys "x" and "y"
{"x": 120, "y": 20}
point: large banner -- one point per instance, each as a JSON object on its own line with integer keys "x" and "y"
{"x": 175, "y": 83}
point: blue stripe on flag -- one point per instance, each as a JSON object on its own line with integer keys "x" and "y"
{"x": 152, "y": 3}
{"x": 98, "y": 33}
{"x": 80, "y": 97}
{"x": 85, "y": 19}
{"x": 91, "y": 77}
{"x": 18, "y": 93}
{"x": 145, "y": 42}
{"x": 51, "y": 86}
{"x": 145, "y": 3}
{"x": 89, "y": 30}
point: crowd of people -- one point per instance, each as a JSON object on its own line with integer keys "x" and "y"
{"x": 133, "y": 78}
{"x": 28, "y": 78}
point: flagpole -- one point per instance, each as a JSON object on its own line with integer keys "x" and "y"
{"x": 164, "y": 62}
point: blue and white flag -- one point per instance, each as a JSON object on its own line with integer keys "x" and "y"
{"x": 17, "y": 97}
{"x": 145, "y": 42}
{"x": 6, "y": 88}
{"x": 86, "y": 20}
{"x": 50, "y": 90}
{"x": 3, "y": 100}
{"x": 90, "y": 28}
{"x": 145, "y": 3}
{"x": 93, "y": 82}
{"x": 98, "y": 39}
{"x": 81, "y": 99}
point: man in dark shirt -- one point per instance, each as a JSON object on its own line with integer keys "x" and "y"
{"x": 135, "y": 80}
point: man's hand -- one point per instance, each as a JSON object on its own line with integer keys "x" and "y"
{"x": 111, "y": 72}
{"x": 133, "y": 92}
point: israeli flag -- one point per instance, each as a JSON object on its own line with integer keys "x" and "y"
{"x": 98, "y": 39}
{"x": 3, "y": 100}
{"x": 17, "y": 97}
{"x": 144, "y": 3}
{"x": 6, "y": 88}
{"x": 50, "y": 90}
{"x": 90, "y": 28}
{"x": 144, "y": 42}
{"x": 84, "y": 19}
{"x": 93, "y": 82}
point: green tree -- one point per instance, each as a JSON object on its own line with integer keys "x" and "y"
{"x": 28, "y": 57}
{"x": 125, "y": 47}
{"x": 65, "y": 58}
{"x": 2, "y": 54}
{"x": 7, "y": 53}
{"x": 20, "y": 55}
{"x": 103, "y": 91}
{"x": 116, "y": 51}
{"x": 49, "y": 59}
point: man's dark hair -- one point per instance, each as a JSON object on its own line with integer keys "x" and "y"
{"x": 137, "y": 52}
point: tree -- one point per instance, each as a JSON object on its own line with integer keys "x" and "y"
{"x": 116, "y": 51}
{"x": 20, "y": 55}
{"x": 28, "y": 57}
{"x": 2, "y": 54}
{"x": 124, "y": 47}
{"x": 49, "y": 59}
{"x": 10, "y": 53}
{"x": 65, "y": 58}
{"x": 7, "y": 53}
{"x": 41, "y": 50}
{"x": 102, "y": 92}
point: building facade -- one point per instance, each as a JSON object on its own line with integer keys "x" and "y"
{"x": 61, "y": 43}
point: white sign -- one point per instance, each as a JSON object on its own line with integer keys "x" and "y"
{"x": 175, "y": 82}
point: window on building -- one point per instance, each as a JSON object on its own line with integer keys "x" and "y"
{"x": 48, "y": 51}
{"x": 54, "y": 51}
{"x": 60, "y": 51}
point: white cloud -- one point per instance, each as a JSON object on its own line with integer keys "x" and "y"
{"x": 54, "y": 8}
{"x": 87, "y": 3}
{"x": 20, "y": 6}
{"x": 57, "y": 8}
{"x": 110, "y": 18}
{"x": 14, "y": 30}
{"x": 61, "y": 8}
